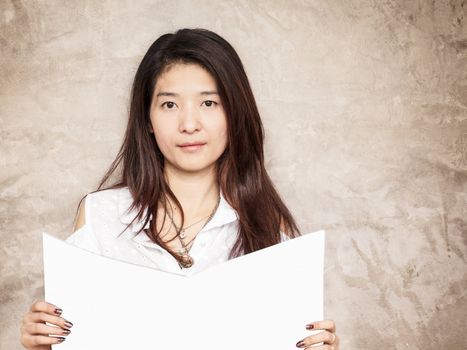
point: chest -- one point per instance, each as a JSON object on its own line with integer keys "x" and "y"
{"x": 208, "y": 247}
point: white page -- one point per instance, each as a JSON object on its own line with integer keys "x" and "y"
{"x": 262, "y": 300}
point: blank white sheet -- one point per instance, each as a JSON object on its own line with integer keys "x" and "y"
{"x": 262, "y": 300}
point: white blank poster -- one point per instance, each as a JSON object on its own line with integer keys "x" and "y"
{"x": 262, "y": 300}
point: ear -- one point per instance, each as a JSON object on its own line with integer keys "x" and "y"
{"x": 150, "y": 129}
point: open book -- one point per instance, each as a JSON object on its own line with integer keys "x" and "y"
{"x": 261, "y": 300}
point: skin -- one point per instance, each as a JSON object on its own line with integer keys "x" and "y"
{"x": 181, "y": 111}
{"x": 327, "y": 336}
{"x": 186, "y": 107}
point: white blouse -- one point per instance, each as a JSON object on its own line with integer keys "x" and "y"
{"x": 107, "y": 214}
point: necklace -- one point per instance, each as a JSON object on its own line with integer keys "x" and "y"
{"x": 187, "y": 261}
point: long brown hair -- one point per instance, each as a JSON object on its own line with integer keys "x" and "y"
{"x": 241, "y": 174}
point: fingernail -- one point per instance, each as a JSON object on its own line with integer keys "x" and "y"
{"x": 66, "y": 331}
{"x": 68, "y": 324}
{"x": 58, "y": 311}
{"x": 310, "y": 326}
{"x": 300, "y": 344}
{"x": 60, "y": 339}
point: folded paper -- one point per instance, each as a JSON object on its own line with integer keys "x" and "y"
{"x": 261, "y": 300}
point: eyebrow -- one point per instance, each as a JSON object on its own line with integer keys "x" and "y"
{"x": 166, "y": 93}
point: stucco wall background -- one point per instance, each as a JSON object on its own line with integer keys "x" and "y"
{"x": 365, "y": 109}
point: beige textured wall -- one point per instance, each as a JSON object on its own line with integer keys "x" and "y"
{"x": 365, "y": 109}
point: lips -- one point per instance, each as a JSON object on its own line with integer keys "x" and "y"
{"x": 188, "y": 144}
{"x": 191, "y": 146}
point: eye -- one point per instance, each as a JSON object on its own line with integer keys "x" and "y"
{"x": 169, "y": 104}
{"x": 210, "y": 103}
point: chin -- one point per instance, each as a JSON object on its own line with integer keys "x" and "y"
{"x": 196, "y": 168}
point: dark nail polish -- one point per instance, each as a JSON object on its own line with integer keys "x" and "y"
{"x": 310, "y": 326}
{"x": 60, "y": 339}
{"x": 68, "y": 324}
{"x": 58, "y": 311}
{"x": 66, "y": 331}
{"x": 300, "y": 344}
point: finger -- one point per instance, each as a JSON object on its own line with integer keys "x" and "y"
{"x": 322, "y": 347}
{"x": 327, "y": 325}
{"x": 321, "y": 337}
{"x": 336, "y": 341}
{"x": 36, "y": 340}
{"x": 43, "y": 329}
{"x": 35, "y": 317}
{"x": 43, "y": 306}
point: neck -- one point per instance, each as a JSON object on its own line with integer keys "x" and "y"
{"x": 197, "y": 192}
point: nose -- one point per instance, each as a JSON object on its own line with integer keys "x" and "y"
{"x": 189, "y": 120}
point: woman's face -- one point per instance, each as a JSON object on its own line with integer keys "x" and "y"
{"x": 188, "y": 119}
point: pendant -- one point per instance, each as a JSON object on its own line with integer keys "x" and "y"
{"x": 187, "y": 261}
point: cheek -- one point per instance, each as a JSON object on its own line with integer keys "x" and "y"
{"x": 225, "y": 133}
{"x": 225, "y": 138}
{"x": 162, "y": 138}
{"x": 220, "y": 128}
{"x": 161, "y": 142}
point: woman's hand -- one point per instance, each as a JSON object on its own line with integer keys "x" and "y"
{"x": 329, "y": 338}
{"x": 35, "y": 333}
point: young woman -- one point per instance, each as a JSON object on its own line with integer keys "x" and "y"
{"x": 191, "y": 188}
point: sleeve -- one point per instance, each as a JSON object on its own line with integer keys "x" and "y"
{"x": 84, "y": 237}
{"x": 284, "y": 237}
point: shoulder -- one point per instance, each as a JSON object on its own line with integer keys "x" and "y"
{"x": 102, "y": 205}
{"x": 111, "y": 194}
{"x": 99, "y": 217}
{"x": 107, "y": 201}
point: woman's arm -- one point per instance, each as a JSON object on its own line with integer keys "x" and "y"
{"x": 81, "y": 218}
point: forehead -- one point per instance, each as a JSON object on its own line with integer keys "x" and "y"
{"x": 185, "y": 77}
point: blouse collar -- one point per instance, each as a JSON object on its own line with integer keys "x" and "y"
{"x": 224, "y": 214}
